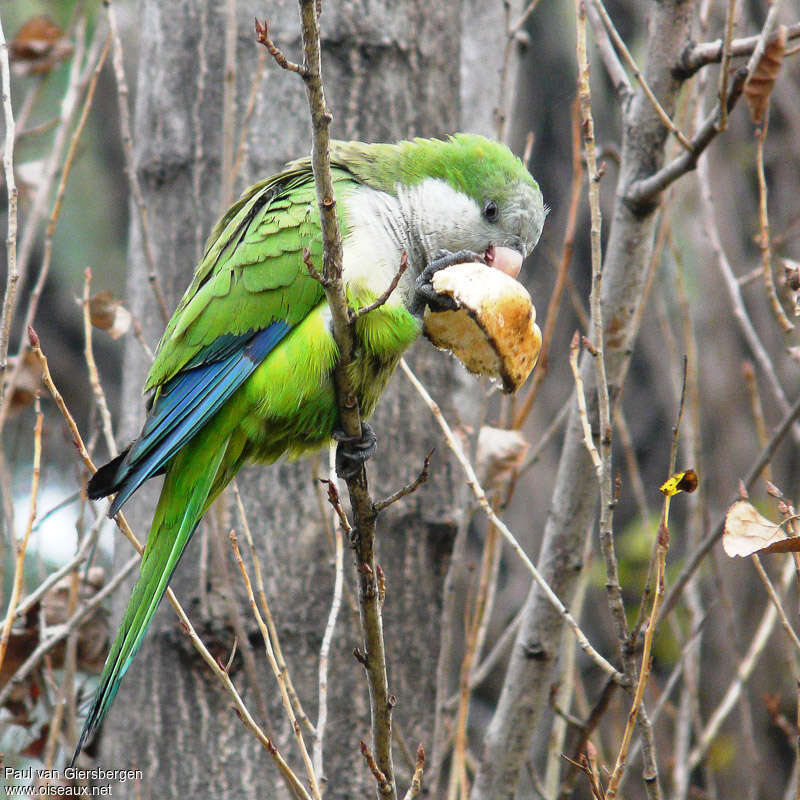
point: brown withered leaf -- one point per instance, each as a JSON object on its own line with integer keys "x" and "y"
{"x": 499, "y": 452}
{"x": 38, "y": 46}
{"x": 29, "y": 381}
{"x": 759, "y": 85}
{"x": 747, "y": 532}
{"x": 108, "y": 314}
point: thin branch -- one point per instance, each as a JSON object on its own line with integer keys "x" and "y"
{"x": 94, "y": 378}
{"x": 95, "y": 60}
{"x": 327, "y": 637}
{"x": 764, "y": 457}
{"x": 21, "y": 546}
{"x": 186, "y": 625}
{"x": 743, "y": 672}
{"x": 764, "y": 236}
{"x": 409, "y": 488}
{"x": 415, "y": 789}
{"x": 127, "y": 147}
{"x": 12, "y": 275}
{"x": 616, "y": 72}
{"x": 53, "y": 578}
{"x": 704, "y": 53}
{"x": 263, "y": 37}
{"x": 58, "y": 633}
{"x": 228, "y": 106}
{"x": 483, "y": 502}
{"x": 354, "y": 315}
{"x": 583, "y": 415}
{"x": 626, "y": 55}
{"x": 776, "y": 601}
{"x": 725, "y": 59}
{"x": 554, "y": 304}
{"x": 273, "y": 630}
{"x": 279, "y": 676}
{"x": 746, "y": 326}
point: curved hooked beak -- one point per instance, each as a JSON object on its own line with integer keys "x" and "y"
{"x": 506, "y": 259}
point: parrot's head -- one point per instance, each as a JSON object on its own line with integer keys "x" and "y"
{"x": 465, "y": 192}
{"x": 490, "y": 203}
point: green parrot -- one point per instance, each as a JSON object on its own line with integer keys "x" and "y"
{"x": 244, "y": 369}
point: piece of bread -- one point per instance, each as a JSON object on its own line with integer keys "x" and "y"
{"x": 493, "y": 331}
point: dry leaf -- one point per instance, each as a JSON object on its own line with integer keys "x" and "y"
{"x": 759, "y": 85}
{"x": 29, "y": 381}
{"x": 108, "y": 314}
{"x": 747, "y": 532}
{"x": 38, "y": 46}
{"x": 499, "y": 452}
{"x": 686, "y": 481}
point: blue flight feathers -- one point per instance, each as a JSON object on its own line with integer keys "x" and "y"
{"x": 189, "y": 400}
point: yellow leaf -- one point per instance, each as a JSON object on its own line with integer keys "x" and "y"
{"x": 680, "y": 482}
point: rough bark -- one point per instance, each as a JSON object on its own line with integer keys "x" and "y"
{"x": 391, "y": 71}
{"x": 532, "y": 668}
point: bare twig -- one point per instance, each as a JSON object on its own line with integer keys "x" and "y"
{"x": 703, "y": 53}
{"x": 743, "y": 671}
{"x": 263, "y": 37}
{"x": 327, "y": 637}
{"x": 483, "y": 502}
{"x": 12, "y": 274}
{"x": 415, "y": 789}
{"x": 652, "y": 622}
{"x": 409, "y": 488}
{"x": 554, "y": 303}
{"x": 580, "y": 396}
{"x": 764, "y": 236}
{"x": 273, "y": 630}
{"x": 130, "y": 170}
{"x": 279, "y": 675}
{"x": 61, "y": 632}
{"x": 21, "y": 545}
{"x": 725, "y": 59}
{"x": 228, "y": 106}
{"x": 379, "y": 301}
{"x": 738, "y": 308}
{"x": 94, "y": 378}
{"x": 95, "y": 59}
{"x": 622, "y": 47}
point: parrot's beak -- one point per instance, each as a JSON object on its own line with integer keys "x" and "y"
{"x": 506, "y": 259}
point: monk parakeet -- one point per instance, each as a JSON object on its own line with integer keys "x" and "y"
{"x": 244, "y": 368}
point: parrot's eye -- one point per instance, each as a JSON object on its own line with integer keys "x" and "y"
{"x": 491, "y": 211}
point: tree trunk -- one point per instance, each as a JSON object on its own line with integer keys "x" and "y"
{"x": 390, "y": 73}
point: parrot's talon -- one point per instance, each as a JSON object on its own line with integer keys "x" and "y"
{"x": 425, "y": 294}
{"x": 353, "y": 451}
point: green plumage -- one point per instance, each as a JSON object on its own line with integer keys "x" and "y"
{"x": 253, "y": 279}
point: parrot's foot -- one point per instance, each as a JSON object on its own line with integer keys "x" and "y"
{"x": 353, "y": 451}
{"x": 425, "y": 294}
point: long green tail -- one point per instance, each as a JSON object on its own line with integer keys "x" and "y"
{"x": 184, "y": 499}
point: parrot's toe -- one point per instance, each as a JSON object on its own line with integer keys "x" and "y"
{"x": 353, "y": 451}
{"x": 425, "y": 294}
